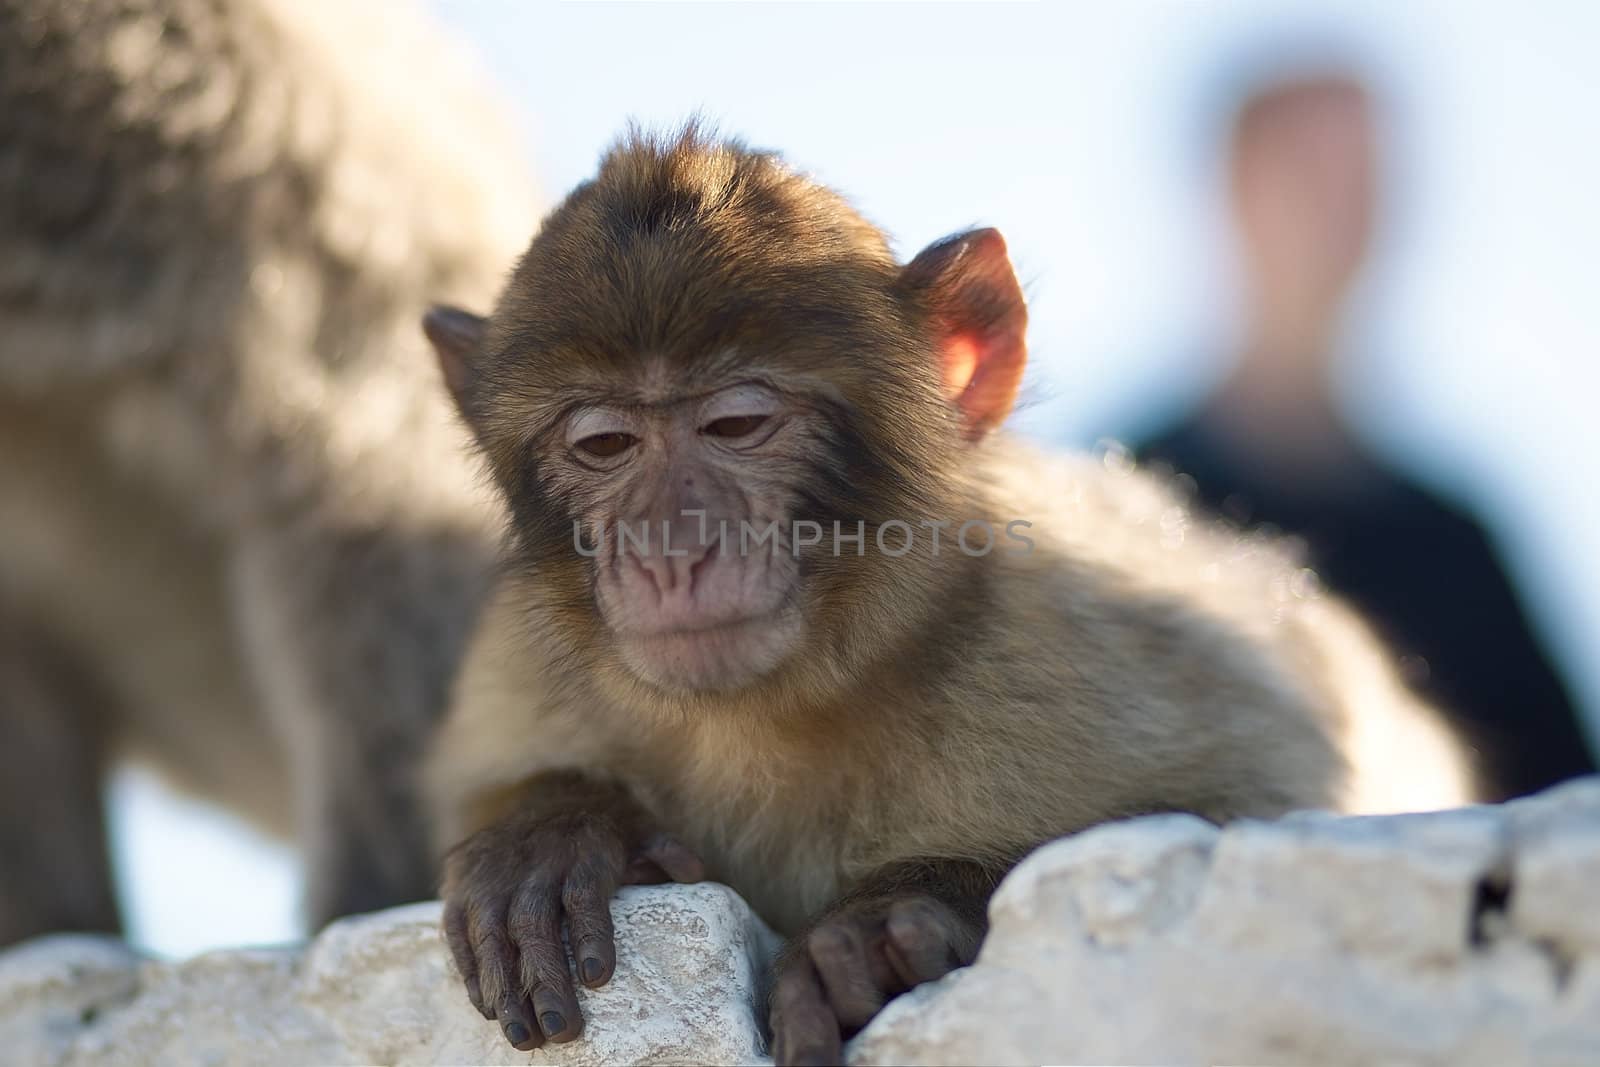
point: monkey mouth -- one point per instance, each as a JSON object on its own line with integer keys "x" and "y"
{"x": 722, "y": 654}
{"x": 692, "y": 630}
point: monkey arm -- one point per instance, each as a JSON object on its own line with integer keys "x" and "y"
{"x": 908, "y": 923}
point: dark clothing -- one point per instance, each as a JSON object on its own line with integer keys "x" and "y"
{"x": 1425, "y": 576}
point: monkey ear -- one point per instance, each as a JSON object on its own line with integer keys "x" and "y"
{"x": 982, "y": 321}
{"x": 456, "y": 336}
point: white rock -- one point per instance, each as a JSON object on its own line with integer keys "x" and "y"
{"x": 1459, "y": 938}
{"x": 379, "y": 989}
{"x": 1468, "y": 938}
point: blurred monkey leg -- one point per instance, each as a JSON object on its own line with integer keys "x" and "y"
{"x": 55, "y": 871}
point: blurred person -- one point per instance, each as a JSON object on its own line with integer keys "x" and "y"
{"x": 1269, "y": 445}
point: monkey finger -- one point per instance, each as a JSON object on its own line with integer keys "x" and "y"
{"x": 516, "y": 1021}
{"x": 804, "y": 1029}
{"x": 455, "y": 935}
{"x": 839, "y": 952}
{"x": 497, "y": 975}
{"x": 675, "y": 858}
{"x": 534, "y": 923}
{"x": 586, "y": 898}
{"x": 493, "y": 958}
{"x": 921, "y": 938}
{"x": 556, "y": 1008}
{"x": 641, "y": 871}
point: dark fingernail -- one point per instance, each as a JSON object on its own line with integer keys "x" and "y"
{"x": 517, "y": 1034}
{"x": 592, "y": 970}
{"x": 552, "y": 1022}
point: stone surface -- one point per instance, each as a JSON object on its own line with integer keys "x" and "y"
{"x": 1467, "y": 938}
{"x": 1458, "y": 938}
{"x": 379, "y": 989}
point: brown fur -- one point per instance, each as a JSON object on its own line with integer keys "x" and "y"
{"x": 234, "y": 500}
{"x": 951, "y": 710}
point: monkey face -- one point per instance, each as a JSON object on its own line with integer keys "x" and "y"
{"x": 701, "y": 511}
{"x": 683, "y": 507}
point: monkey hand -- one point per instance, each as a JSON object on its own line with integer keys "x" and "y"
{"x": 831, "y": 981}
{"x": 509, "y": 887}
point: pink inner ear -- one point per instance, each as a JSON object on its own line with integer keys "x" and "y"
{"x": 992, "y": 376}
{"x": 960, "y": 363}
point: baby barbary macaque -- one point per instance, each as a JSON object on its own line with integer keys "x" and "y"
{"x": 783, "y": 609}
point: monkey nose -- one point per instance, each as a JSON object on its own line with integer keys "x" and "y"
{"x": 672, "y": 572}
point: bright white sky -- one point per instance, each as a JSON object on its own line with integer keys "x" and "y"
{"x": 1081, "y": 131}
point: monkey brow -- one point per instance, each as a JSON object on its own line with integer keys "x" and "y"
{"x": 663, "y": 383}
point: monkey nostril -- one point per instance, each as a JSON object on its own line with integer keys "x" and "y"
{"x": 697, "y": 568}
{"x": 650, "y": 570}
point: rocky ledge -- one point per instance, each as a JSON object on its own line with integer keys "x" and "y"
{"x": 1463, "y": 938}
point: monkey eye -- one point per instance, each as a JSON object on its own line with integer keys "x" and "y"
{"x": 734, "y": 425}
{"x": 606, "y": 445}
